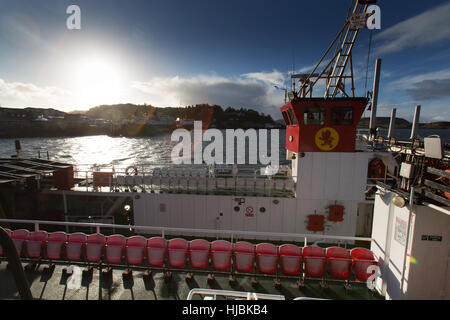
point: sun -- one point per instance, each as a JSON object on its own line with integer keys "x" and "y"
{"x": 98, "y": 81}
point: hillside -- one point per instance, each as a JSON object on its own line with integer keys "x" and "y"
{"x": 213, "y": 115}
{"x": 435, "y": 125}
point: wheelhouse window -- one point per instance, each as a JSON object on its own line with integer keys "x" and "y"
{"x": 342, "y": 116}
{"x": 292, "y": 117}
{"x": 286, "y": 118}
{"x": 314, "y": 116}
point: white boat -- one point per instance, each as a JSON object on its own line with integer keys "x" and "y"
{"x": 312, "y": 223}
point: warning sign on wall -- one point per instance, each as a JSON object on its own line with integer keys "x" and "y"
{"x": 400, "y": 231}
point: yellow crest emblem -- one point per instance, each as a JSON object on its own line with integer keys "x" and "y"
{"x": 327, "y": 139}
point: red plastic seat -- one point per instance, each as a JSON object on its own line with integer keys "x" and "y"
{"x": 75, "y": 243}
{"x": 156, "y": 250}
{"x": 19, "y": 237}
{"x": 315, "y": 260}
{"x": 94, "y": 247}
{"x": 55, "y": 243}
{"x": 221, "y": 254}
{"x": 290, "y": 259}
{"x": 199, "y": 253}
{"x": 34, "y": 243}
{"x": 115, "y": 246}
{"x": 339, "y": 262}
{"x": 177, "y": 252}
{"x": 135, "y": 250}
{"x": 9, "y": 233}
{"x": 266, "y": 258}
{"x": 244, "y": 256}
{"x": 362, "y": 259}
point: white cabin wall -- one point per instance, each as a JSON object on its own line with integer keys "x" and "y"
{"x": 290, "y": 216}
{"x": 276, "y": 215}
{"x": 140, "y": 205}
{"x": 387, "y": 249}
{"x": 429, "y": 278}
{"x": 213, "y": 208}
{"x": 426, "y": 279}
{"x": 332, "y": 172}
{"x": 382, "y": 222}
{"x": 329, "y": 178}
{"x": 237, "y": 220}
{"x": 200, "y": 214}
{"x": 346, "y": 176}
{"x": 263, "y": 218}
{"x": 225, "y": 215}
{"x": 186, "y": 206}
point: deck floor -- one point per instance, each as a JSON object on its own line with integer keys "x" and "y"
{"x": 53, "y": 286}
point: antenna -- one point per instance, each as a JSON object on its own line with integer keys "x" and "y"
{"x": 293, "y": 67}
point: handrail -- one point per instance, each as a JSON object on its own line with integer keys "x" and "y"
{"x": 15, "y": 265}
{"x": 236, "y": 294}
{"x": 162, "y": 230}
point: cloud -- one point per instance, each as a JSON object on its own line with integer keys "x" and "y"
{"x": 28, "y": 93}
{"x": 431, "y": 111}
{"x": 427, "y": 28}
{"x": 430, "y": 89}
{"x": 439, "y": 118}
{"x": 250, "y": 90}
{"x": 272, "y": 78}
{"x": 426, "y": 86}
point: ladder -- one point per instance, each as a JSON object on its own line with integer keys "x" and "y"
{"x": 334, "y": 73}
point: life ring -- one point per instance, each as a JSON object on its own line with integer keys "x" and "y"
{"x": 249, "y": 211}
{"x": 131, "y": 169}
{"x": 376, "y": 169}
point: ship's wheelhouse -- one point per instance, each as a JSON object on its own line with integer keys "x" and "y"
{"x": 322, "y": 125}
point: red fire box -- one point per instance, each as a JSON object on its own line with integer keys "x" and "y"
{"x": 316, "y": 222}
{"x": 336, "y": 213}
{"x": 63, "y": 178}
{"x": 103, "y": 179}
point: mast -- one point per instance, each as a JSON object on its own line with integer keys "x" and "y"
{"x": 376, "y": 85}
{"x": 339, "y": 68}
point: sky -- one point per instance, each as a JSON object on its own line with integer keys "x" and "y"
{"x": 231, "y": 53}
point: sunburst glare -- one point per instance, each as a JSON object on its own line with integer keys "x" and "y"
{"x": 97, "y": 81}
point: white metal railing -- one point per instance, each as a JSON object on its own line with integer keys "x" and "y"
{"x": 235, "y": 294}
{"x": 181, "y": 170}
{"x": 163, "y": 230}
{"x": 187, "y": 179}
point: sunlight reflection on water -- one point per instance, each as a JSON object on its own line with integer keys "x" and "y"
{"x": 104, "y": 150}
{"x": 93, "y": 149}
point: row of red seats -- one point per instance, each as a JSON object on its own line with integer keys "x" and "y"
{"x": 136, "y": 250}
